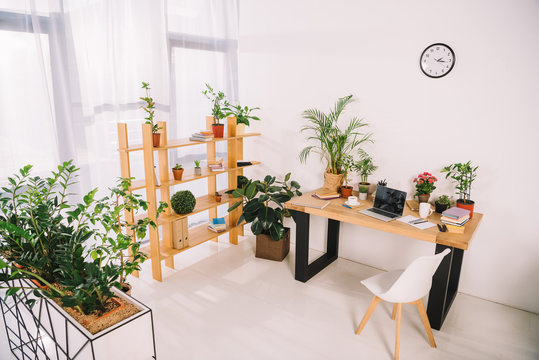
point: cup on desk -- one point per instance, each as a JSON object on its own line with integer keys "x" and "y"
{"x": 425, "y": 210}
{"x": 352, "y": 200}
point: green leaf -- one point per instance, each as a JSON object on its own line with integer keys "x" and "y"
{"x": 251, "y": 191}
{"x": 287, "y": 177}
{"x": 266, "y": 216}
{"x": 277, "y": 231}
{"x": 295, "y": 184}
{"x": 3, "y": 264}
{"x": 12, "y": 291}
{"x": 267, "y": 179}
{"x": 237, "y": 193}
{"x": 234, "y": 206}
{"x": 263, "y": 198}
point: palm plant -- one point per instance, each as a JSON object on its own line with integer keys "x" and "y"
{"x": 333, "y": 143}
{"x": 365, "y": 166}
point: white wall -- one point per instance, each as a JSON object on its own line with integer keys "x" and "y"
{"x": 300, "y": 54}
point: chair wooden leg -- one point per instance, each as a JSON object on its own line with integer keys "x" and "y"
{"x": 398, "y": 335}
{"x": 394, "y": 311}
{"x": 368, "y": 314}
{"x": 426, "y": 323}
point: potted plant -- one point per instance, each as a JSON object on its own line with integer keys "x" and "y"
{"x": 219, "y": 109}
{"x": 463, "y": 175}
{"x": 347, "y": 163}
{"x": 363, "y": 192}
{"x": 382, "y": 183}
{"x": 263, "y": 208}
{"x": 198, "y": 170}
{"x": 183, "y": 202}
{"x": 365, "y": 167}
{"x": 442, "y": 204}
{"x": 218, "y": 197}
{"x": 242, "y": 115}
{"x": 332, "y": 143}
{"x": 424, "y": 186}
{"x": 150, "y": 110}
{"x": 177, "y": 172}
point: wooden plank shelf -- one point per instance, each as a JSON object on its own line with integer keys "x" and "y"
{"x": 177, "y": 143}
{"x": 188, "y": 175}
{"x": 197, "y": 235}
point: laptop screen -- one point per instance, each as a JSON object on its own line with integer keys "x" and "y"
{"x": 390, "y": 200}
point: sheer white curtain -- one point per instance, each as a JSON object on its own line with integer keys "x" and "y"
{"x": 72, "y": 69}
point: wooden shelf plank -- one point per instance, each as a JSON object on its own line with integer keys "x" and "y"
{"x": 188, "y": 175}
{"x": 176, "y": 143}
{"x": 197, "y": 235}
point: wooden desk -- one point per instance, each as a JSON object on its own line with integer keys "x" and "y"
{"x": 444, "y": 282}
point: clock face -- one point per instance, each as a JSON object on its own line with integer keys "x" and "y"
{"x": 437, "y": 60}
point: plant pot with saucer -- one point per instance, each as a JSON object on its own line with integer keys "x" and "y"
{"x": 463, "y": 174}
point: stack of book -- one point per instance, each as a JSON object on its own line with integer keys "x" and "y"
{"x": 217, "y": 225}
{"x": 455, "y": 218}
{"x": 326, "y": 195}
{"x": 202, "y": 136}
{"x": 216, "y": 165}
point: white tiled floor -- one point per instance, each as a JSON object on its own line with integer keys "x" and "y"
{"x": 222, "y": 303}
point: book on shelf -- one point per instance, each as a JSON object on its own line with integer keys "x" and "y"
{"x": 216, "y": 167}
{"x": 202, "y": 136}
{"x": 244, "y": 163}
{"x": 455, "y": 229}
{"x": 202, "y": 139}
{"x": 310, "y": 201}
{"x": 456, "y": 213}
{"x": 326, "y": 195}
{"x": 217, "y": 225}
{"x": 448, "y": 219}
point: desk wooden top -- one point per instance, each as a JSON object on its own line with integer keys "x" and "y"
{"x": 336, "y": 211}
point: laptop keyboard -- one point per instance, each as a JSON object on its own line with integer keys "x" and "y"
{"x": 381, "y": 212}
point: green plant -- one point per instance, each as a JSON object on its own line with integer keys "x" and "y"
{"x": 424, "y": 183}
{"x": 149, "y": 108}
{"x": 242, "y": 114}
{"x": 220, "y": 108}
{"x": 197, "y": 163}
{"x": 347, "y": 164}
{"x": 183, "y": 202}
{"x": 365, "y": 166}
{"x": 177, "y": 167}
{"x": 263, "y": 204}
{"x": 332, "y": 142}
{"x": 444, "y": 199}
{"x": 362, "y": 189}
{"x": 463, "y": 175}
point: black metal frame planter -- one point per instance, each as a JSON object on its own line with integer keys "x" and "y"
{"x": 46, "y": 331}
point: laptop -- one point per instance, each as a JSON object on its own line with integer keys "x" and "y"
{"x": 388, "y": 204}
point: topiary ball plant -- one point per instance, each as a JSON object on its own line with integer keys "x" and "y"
{"x": 183, "y": 202}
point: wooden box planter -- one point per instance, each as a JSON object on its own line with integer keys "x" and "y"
{"x": 267, "y": 248}
{"x": 46, "y": 331}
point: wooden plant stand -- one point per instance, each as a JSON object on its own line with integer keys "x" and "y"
{"x": 162, "y": 249}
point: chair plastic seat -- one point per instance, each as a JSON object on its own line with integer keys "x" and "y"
{"x": 381, "y": 283}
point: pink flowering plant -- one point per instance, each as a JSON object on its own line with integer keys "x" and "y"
{"x": 424, "y": 183}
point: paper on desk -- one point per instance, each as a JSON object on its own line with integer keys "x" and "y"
{"x": 420, "y": 226}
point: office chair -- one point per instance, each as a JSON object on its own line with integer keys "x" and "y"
{"x": 407, "y": 286}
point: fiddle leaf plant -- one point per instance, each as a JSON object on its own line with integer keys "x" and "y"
{"x": 149, "y": 108}
{"x": 243, "y": 114}
{"x": 220, "y": 105}
{"x": 463, "y": 174}
{"x": 263, "y": 204}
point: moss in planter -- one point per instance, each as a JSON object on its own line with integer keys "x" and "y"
{"x": 183, "y": 202}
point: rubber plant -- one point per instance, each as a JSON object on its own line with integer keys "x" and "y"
{"x": 263, "y": 204}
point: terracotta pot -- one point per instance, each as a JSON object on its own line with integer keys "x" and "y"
{"x": 468, "y": 205}
{"x": 218, "y": 198}
{"x": 218, "y": 130}
{"x": 156, "y": 139}
{"x": 240, "y": 129}
{"x": 198, "y": 171}
{"x": 423, "y": 198}
{"x": 332, "y": 181}
{"x": 120, "y": 306}
{"x": 177, "y": 174}
{"x": 267, "y": 248}
{"x": 346, "y": 191}
{"x": 440, "y": 208}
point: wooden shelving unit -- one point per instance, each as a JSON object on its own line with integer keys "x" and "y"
{"x": 160, "y": 248}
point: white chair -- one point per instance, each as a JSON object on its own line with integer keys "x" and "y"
{"x": 404, "y": 287}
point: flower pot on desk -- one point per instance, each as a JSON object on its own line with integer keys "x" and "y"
{"x": 466, "y": 204}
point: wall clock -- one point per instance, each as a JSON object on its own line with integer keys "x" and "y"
{"x": 437, "y": 60}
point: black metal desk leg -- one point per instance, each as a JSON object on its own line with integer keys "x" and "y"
{"x": 304, "y": 270}
{"x": 445, "y": 283}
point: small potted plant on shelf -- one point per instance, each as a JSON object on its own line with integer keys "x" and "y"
{"x": 332, "y": 143}
{"x": 442, "y": 204}
{"x": 242, "y": 115}
{"x": 177, "y": 172}
{"x": 198, "y": 170}
{"x": 218, "y": 197}
{"x": 363, "y": 192}
{"x": 463, "y": 175}
{"x": 424, "y": 185}
{"x": 347, "y": 163}
{"x": 365, "y": 167}
{"x": 263, "y": 208}
{"x": 183, "y": 202}
{"x": 150, "y": 110}
{"x": 219, "y": 109}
